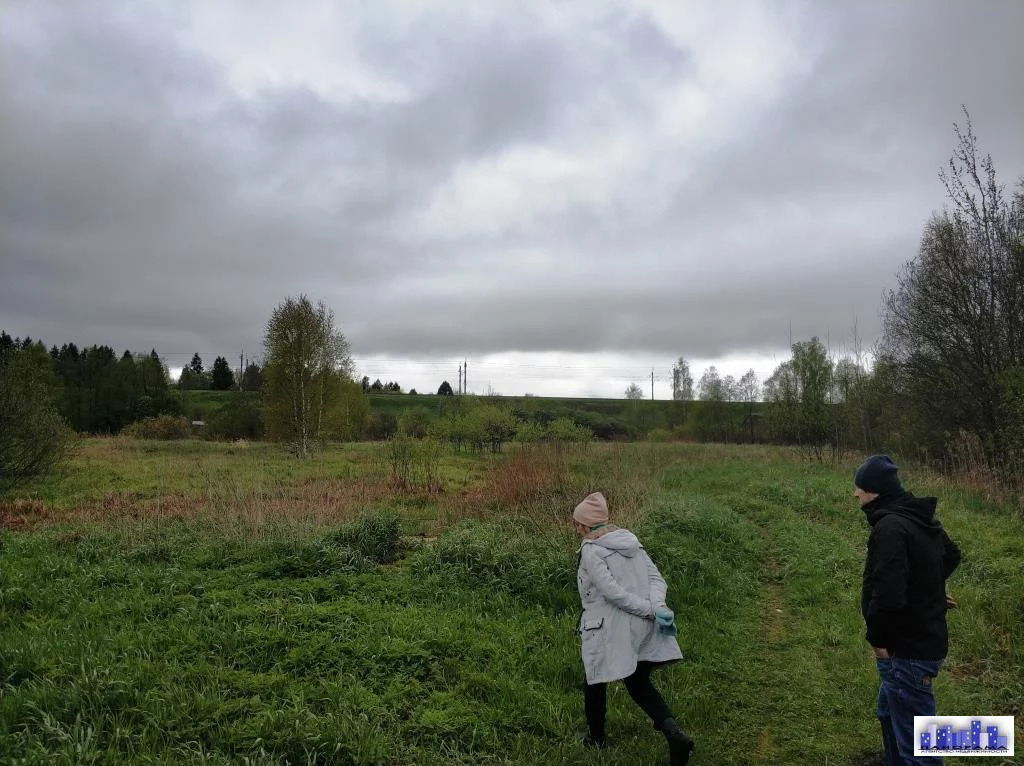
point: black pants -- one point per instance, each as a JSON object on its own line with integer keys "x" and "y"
{"x": 640, "y": 688}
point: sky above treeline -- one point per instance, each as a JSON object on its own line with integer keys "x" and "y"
{"x": 568, "y": 195}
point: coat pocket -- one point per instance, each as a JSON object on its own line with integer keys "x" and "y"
{"x": 592, "y": 638}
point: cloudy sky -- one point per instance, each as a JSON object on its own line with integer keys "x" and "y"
{"x": 567, "y": 194}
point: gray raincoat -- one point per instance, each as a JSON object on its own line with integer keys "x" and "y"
{"x": 619, "y": 589}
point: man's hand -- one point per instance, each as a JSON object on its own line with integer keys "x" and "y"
{"x": 880, "y": 653}
{"x": 950, "y": 603}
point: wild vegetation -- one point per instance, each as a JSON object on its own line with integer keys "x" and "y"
{"x": 202, "y": 602}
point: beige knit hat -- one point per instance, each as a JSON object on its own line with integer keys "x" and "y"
{"x": 592, "y": 511}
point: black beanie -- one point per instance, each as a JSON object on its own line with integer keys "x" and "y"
{"x": 878, "y": 474}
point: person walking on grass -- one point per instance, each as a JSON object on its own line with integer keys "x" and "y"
{"x": 627, "y": 630}
{"x": 904, "y": 601}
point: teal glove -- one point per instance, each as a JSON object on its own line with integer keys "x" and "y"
{"x": 666, "y": 620}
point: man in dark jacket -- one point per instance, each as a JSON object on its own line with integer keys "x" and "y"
{"x": 904, "y": 602}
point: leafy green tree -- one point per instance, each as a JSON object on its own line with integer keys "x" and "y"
{"x": 748, "y": 391}
{"x": 567, "y": 430}
{"x": 126, "y": 390}
{"x": 711, "y": 387}
{"x": 682, "y": 381}
{"x": 152, "y": 374}
{"x": 34, "y": 437}
{"x": 347, "y": 419}
{"x": 221, "y": 378}
{"x": 381, "y": 425}
{"x": 954, "y": 325}
{"x": 414, "y": 422}
{"x": 800, "y": 397}
{"x": 308, "y": 361}
{"x": 239, "y": 418}
{"x": 713, "y": 417}
{"x": 445, "y": 389}
{"x": 633, "y": 392}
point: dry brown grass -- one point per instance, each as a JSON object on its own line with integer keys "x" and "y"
{"x": 538, "y": 482}
{"x": 23, "y": 514}
{"x": 318, "y": 501}
{"x": 544, "y": 482}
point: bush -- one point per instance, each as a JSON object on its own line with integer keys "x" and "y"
{"x": 565, "y": 430}
{"x": 604, "y": 427}
{"x": 659, "y": 435}
{"x": 381, "y": 425}
{"x": 426, "y": 465}
{"x": 399, "y": 455}
{"x": 414, "y": 423}
{"x": 313, "y": 559}
{"x": 163, "y": 427}
{"x": 33, "y": 436}
{"x": 530, "y": 432}
{"x": 496, "y": 557}
{"x": 238, "y": 419}
{"x": 377, "y": 536}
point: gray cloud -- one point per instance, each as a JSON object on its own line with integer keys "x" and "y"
{"x": 530, "y": 185}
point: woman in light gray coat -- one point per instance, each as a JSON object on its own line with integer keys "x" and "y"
{"x": 627, "y": 629}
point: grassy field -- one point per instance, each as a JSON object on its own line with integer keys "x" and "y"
{"x": 198, "y": 602}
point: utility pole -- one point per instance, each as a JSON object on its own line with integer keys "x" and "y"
{"x": 460, "y": 378}
{"x": 652, "y": 385}
{"x": 465, "y": 376}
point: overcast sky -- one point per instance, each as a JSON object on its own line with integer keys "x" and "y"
{"x": 567, "y": 194}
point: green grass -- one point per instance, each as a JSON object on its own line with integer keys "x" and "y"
{"x": 303, "y": 639}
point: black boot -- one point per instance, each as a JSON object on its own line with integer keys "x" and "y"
{"x": 679, "y": 743}
{"x": 589, "y": 740}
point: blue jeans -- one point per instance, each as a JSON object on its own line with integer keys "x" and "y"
{"x": 906, "y": 691}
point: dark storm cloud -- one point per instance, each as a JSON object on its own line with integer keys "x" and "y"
{"x": 517, "y": 196}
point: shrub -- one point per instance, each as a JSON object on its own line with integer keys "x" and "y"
{"x": 377, "y": 536}
{"x": 565, "y": 430}
{"x": 238, "y": 419}
{"x": 536, "y": 570}
{"x": 311, "y": 559}
{"x": 414, "y": 423}
{"x": 530, "y": 432}
{"x": 162, "y": 427}
{"x": 659, "y": 435}
{"x": 399, "y": 455}
{"x": 381, "y": 425}
{"x": 33, "y": 436}
{"x": 604, "y": 427}
{"x": 427, "y": 465}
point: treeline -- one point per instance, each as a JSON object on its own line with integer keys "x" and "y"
{"x": 94, "y": 389}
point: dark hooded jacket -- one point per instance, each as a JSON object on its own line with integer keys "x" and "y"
{"x": 903, "y": 596}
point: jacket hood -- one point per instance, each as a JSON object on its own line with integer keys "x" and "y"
{"x": 920, "y": 510}
{"x": 617, "y": 541}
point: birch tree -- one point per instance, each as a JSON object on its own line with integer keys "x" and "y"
{"x": 308, "y": 366}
